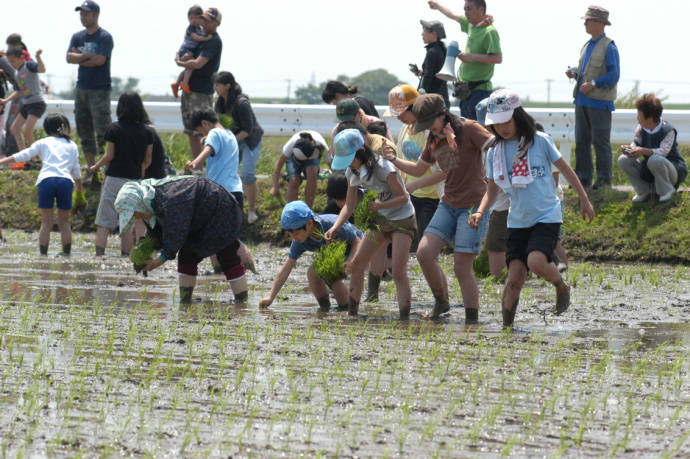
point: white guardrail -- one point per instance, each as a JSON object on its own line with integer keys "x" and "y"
{"x": 285, "y": 120}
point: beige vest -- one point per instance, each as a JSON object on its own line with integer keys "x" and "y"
{"x": 596, "y": 67}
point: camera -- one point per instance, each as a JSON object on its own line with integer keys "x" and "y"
{"x": 627, "y": 150}
{"x": 573, "y": 71}
{"x": 414, "y": 68}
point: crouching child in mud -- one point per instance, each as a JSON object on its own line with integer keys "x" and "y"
{"x": 307, "y": 232}
{"x": 397, "y": 223}
{"x": 520, "y": 164}
{"x": 192, "y": 218}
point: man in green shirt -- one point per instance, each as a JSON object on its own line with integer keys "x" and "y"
{"x": 482, "y": 51}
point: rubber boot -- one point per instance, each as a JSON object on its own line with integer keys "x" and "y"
{"x": 100, "y": 251}
{"x": 217, "y": 270}
{"x": 241, "y": 297}
{"x": 67, "y": 248}
{"x": 509, "y": 316}
{"x": 441, "y": 306}
{"x": 343, "y": 307}
{"x": 471, "y": 316}
{"x": 324, "y": 304}
{"x": 562, "y": 296}
{"x": 352, "y": 307}
{"x": 405, "y": 312}
{"x": 373, "y": 283}
{"x": 43, "y": 249}
{"x": 186, "y": 295}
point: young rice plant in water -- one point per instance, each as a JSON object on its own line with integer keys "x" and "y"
{"x": 142, "y": 253}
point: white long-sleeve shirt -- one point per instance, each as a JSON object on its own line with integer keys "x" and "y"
{"x": 60, "y": 158}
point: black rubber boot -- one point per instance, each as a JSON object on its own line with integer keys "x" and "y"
{"x": 241, "y": 297}
{"x": 373, "y": 283}
{"x": 352, "y": 307}
{"x": 441, "y": 306}
{"x": 471, "y": 316}
{"x": 43, "y": 249}
{"x": 324, "y": 304}
{"x": 100, "y": 251}
{"x": 343, "y": 307}
{"x": 67, "y": 248}
{"x": 186, "y": 295}
{"x": 217, "y": 270}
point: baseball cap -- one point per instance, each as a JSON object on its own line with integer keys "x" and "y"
{"x": 481, "y": 108}
{"x": 295, "y": 215}
{"x": 502, "y": 104}
{"x": 425, "y": 110}
{"x": 345, "y": 145}
{"x": 346, "y": 109}
{"x": 212, "y": 14}
{"x": 399, "y": 98}
{"x": 303, "y": 149}
{"x": 89, "y": 5}
{"x": 436, "y": 26}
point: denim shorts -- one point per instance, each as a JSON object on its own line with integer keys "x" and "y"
{"x": 451, "y": 225}
{"x": 248, "y": 158}
{"x": 53, "y": 189}
{"x": 297, "y": 169}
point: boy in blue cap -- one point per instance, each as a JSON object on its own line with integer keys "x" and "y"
{"x": 307, "y": 232}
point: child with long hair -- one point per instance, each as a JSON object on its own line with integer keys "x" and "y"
{"x": 130, "y": 149}
{"x": 457, "y": 146}
{"x": 59, "y": 173}
{"x": 520, "y": 164}
{"x": 397, "y": 223}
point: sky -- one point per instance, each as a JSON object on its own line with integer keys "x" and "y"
{"x": 275, "y": 46}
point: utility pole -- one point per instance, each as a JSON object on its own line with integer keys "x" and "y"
{"x": 548, "y": 92}
{"x": 289, "y": 82}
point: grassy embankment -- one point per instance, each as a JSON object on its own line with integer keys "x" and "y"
{"x": 623, "y": 231}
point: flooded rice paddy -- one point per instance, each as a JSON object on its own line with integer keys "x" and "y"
{"x": 98, "y": 362}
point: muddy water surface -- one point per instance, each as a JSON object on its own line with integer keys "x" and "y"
{"x": 95, "y": 360}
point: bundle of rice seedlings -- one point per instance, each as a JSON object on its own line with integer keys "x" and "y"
{"x": 364, "y": 219}
{"x": 142, "y": 252}
{"x": 78, "y": 201}
{"x": 225, "y": 120}
{"x": 329, "y": 261}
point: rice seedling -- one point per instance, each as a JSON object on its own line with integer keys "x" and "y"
{"x": 366, "y": 220}
{"x": 328, "y": 261}
{"x": 142, "y": 253}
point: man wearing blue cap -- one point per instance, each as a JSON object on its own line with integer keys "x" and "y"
{"x": 307, "y": 232}
{"x": 91, "y": 49}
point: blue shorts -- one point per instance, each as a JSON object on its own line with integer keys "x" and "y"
{"x": 297, "y": 169}
{"x": 53, "y": 189}
{"x": 451, "y": 225}
{"x": 248, "y": 158}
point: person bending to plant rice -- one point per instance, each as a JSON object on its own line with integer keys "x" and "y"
{"x": 397, "y": 222}
{"x": 307, "y": 232}
{"x": 192, "y": 218}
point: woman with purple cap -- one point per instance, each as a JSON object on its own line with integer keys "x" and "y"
{"x": 398, "y": 224}
{"x": 520, "y": 164}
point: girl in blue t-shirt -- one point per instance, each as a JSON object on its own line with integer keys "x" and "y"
{"x": 520, "y": 164}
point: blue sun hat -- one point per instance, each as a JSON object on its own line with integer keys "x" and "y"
{"x": 295, "y": 215}
{"x": 345, "y": 145}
